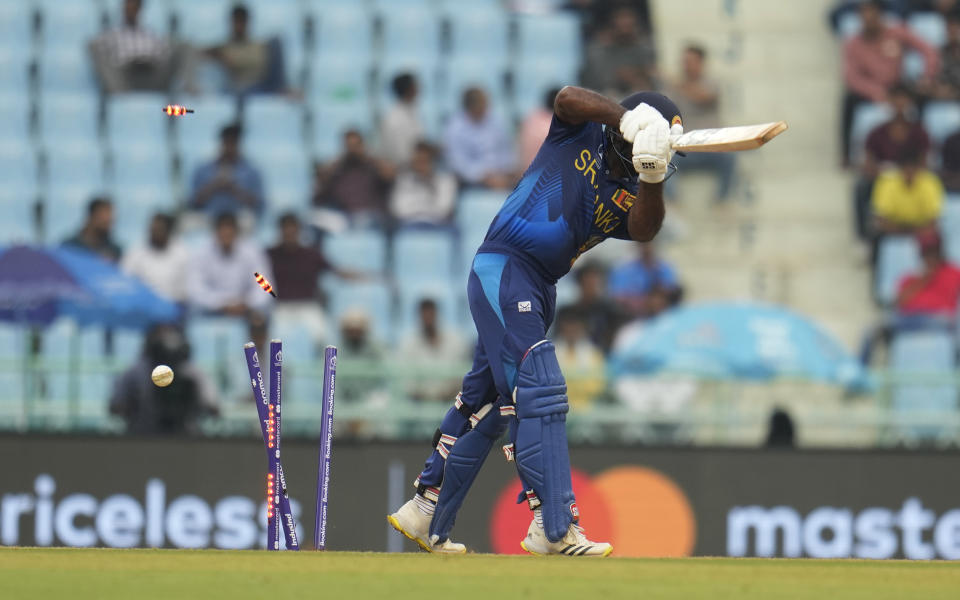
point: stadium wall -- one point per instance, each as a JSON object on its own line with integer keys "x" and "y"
{"x": 124, "y": 492}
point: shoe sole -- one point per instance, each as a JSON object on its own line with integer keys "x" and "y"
{"x": 523, "y": 545}
{"x": 396, "y": 525}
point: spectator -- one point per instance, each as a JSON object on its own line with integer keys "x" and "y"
{"x": 160, "y": 262}
{"x": 477, "y": 146}
{"x": 621, "y": 59}
{"x": 698, "y": 98}
{"x": 884, "y": 146}
{"x": 228, "y": 183}
{"x": 908, "y": 198}
{"x": 428, "y": 348}
{"x": 534, "y": 129}
{"x": 251, "y": 66}
{"x": 579, "y": 358}
{"x": 601, "y": 315}
{"x": 948, "y": 82}
{"x": 781, "y": 431}
{"x": 221, "y": 272}
{"x": 645, "y": 286}
{"x": 366, "y": 356}
{"x": 401, "y": 128}
{"x": 176, "y": 409}
{"x": 297, "y": 269}
{"x": 872, "y": 64}
{"x": 421, "y": 193}
{"x": 935, "y": 290}
{"x": 95, "y": 235}
{"x": 355, "y": 185}
{"x": 131, "y": 58}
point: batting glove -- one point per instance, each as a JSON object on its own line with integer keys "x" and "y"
{"x": 652, "y": 151}
{"x": 636, "y": 119}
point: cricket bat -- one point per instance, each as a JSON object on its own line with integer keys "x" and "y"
{"x": 728, "y": 139}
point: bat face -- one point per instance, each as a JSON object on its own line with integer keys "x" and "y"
{"x": 728, "y": 139}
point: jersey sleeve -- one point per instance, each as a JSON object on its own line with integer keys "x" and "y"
{"x": 562, "y": 132}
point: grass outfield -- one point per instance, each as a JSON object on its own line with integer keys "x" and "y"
{"x": 172, "y": 574}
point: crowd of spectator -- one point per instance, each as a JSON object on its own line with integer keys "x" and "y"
{"x": 390, "y": 177}
{"x": 903, "y": 178}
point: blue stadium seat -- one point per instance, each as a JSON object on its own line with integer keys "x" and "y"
{"x": 65, "y": 209}
{"x": 426, "y": 71}
{"x": 56, "y": 340}
{"x": 865, "y": 119}
{"x": 913, "y": 66}
{"x": 941, "y": 119}
{"x": 930, "y": 27}
{"x": 154, "y": 16}
{"x": 340, "y": 80}
{"x": 137, "y": 119}
{"x": 462, "y": 73}
{"x": 449, "y": 295}
{"x": 924, "y": 355}
{"x": 74, "y": 118}
{"x": 478, "y": 29}
{"x": 16, "y": 25}
{"x": 14, "y": 68}
{"x": 64, "y": 69}
{"x": 950, "y": 227}
{"x": 133, "y": 208}
{"x": 411, "y": 30}
{"x": 127, "y": 344}
{"x": 70, "y": 25}
{"x": 11, "y": 375}
{"x": 423, "y": 255}
{"x": 142, "y": 165}
{"x": 551, "y": 35}
{"x": 95, "y": 385}
{"x": 286, "y": 177}
{"x": 17, "y": 225}
{"x": 15, "y": 125}
{"x": 201, "y": 136}
{"x": 343, "y": 28}
{"x": 534, "y": 78}
{"x": 271, "y": 121}
{"x": 74, "y": 164}
{"x": 898, "y": 257}
{"x": 203, "y": 23}
{"x": 364, "y": 251}
{"x": 216, "y": 344}
{"x": 18, "y": 165}
{"x": 299, "y": 352}
{"x": 330, "y": 123}
{"x": 372, "y": 298}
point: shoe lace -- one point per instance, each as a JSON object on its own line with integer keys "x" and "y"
{"x": 580, "y": 537}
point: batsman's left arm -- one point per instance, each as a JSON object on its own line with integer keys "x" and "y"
{"x": 646, "y": 215}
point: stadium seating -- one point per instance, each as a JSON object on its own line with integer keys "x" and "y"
{"x": 65, "y": 70}
{"x": 923, "y": 355}
{"x": 16, "y": 226}
{"x": 14, "y": 70}
{"x": 65, "y": 209}
{"x": 532, "y": 79}
{"x": 475, "y": 212}
{"x": 478, "y": 29}
{"x": 930, "y": 27}
{"x": 200, "y": 137}
{"x": 286, "y": 177}
{"x": 142, "y": 165}
{"x": 16, "y": 26}
{"x": 950, "y": 228}
{"x": 203, "y": 23}
{"x": 373, "y": 298}
{"x": 270, "y": 121}
{"x": 137, "y": 119}
{"x": 74, "y": 164}
{"x": 538, "y": 35}
{"x": 423, "y": 255}
{"x": 343, "y": 29}
{"x": 69, "y": 25}
{"x": 865, "y": 119}
{"x": 411, "y": 31}
{"x": 940, "y": 119}
{"x": 898, "y": 256}
{"x": 331, "y": 122}
{"x": 55, "y": 348}
{"x": 74, "y": 118}
{"x": 11, "y": 375}
{"x": 18, "y": 166}
{"x": 462, "y": 73}
{"x": 450, "y": 298}
{"x": 364, "y": 251}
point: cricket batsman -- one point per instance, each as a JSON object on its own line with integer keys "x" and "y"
{"x": 598, "y": 174}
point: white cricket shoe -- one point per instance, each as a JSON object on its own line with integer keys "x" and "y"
{"x": 574, "y": 543}
{"x": 412, "y": 522}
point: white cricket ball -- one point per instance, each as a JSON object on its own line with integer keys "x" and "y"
{"x": 162, "y": 375}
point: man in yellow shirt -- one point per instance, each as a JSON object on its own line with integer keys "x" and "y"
{"x": 907, "y": 198}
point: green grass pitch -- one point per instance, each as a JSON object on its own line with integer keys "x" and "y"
{"x": 53, "y": 573}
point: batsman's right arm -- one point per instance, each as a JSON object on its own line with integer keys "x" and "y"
{"x": 577, "y": 105}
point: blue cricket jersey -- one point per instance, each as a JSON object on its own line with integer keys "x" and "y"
{"x": 565, "y": 203}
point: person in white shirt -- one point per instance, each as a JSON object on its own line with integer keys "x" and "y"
{"x": 401, "y": 127}
{"x": 221, "y": 273}
{"x": 477, "y": 146}
{"x": 160, "y": 262}
{"x": 421, "y": 194}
